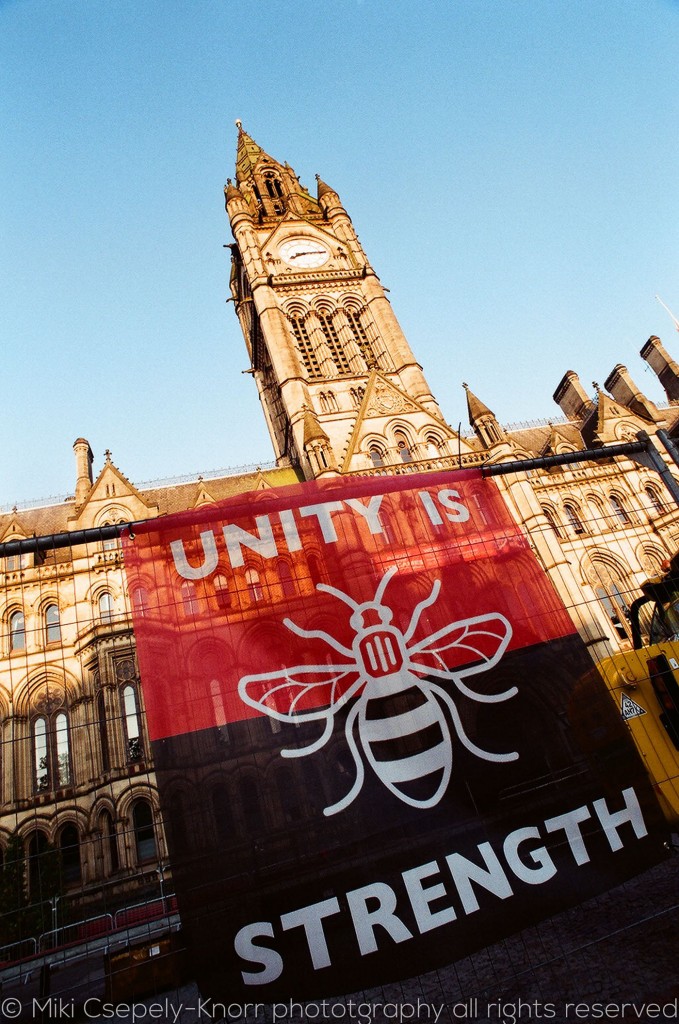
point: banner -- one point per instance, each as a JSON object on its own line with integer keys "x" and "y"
{"x": 379, "y": 741}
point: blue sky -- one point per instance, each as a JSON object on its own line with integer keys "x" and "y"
{"x": 511, "y": 167}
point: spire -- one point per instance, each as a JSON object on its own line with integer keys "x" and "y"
{"x": 475, "y": 407}
{"x": 321, "y": 188}
{"x": 483, "y": 420}
{"x": 313, "y": 431}
{"x": 247, "y": 154}
{"x": 270, "y": 188}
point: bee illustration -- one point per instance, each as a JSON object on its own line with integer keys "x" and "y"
{"x": 398, "y": 707}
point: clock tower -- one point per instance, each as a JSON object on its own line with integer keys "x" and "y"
{"x": 339, "y": 385}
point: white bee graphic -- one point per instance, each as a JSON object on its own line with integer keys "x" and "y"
{"x": 397, "y": 708}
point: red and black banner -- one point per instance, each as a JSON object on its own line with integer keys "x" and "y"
{"x": 379, "y": 740}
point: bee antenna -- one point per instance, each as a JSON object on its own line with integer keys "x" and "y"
{"x": 379, "y": 593}
{"x": 339, "y": 594}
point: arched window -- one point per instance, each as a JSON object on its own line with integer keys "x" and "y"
{"x": 109, "y": 843}
{"x": 596, "y": 509}
{"x": 335, "y": 345}
{"x": 550, "y": 516}
{"x": 105, "y": 607}
{"x": 69, "y": 850}
{"x": 573, "y": 517}
{"x": 376, "y": 455}
{"x": 218, "y": 708}
{"x": 360, "y": 336}
{"x": 189, "y": 599}
{"x": 615, "y": 608}
{"x": 655, "y": 500}
{"x": 139, "y": 602}
{"x": 612, "y": 591}
{"x": 285, "y": 577}
{"x": 51, "y": 752}
{"x": 403, "y": 446}
{"x": 254, "y": 585}
{"x": 103, "y": 732}
{"x": 314, "y": 569}
{"x": 221, "y": 585}
{"x": 52, "y": 624}
{"x": 17, "y": 632}
{"x": 135, "y": 750}
{"x": 144, "y": 832}
{"x": 619, "y": 509}
{"x": 306, "y": 348}
{"x": 435, "y": 446}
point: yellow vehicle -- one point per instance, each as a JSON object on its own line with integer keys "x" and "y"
{"x": 644, "y": 683}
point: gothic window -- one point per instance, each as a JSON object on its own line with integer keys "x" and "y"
{"x": 69, "y": 850}
{"x": 285, "y": 577}
{"x": 314, "y": 569}
{"x": 109, "y": 843}
{"x": 103, "y": 732}
{"x": 139, "y": 601}
{"x": 218, "y": 708}
{"x": 597, "y": 509}
{"x": 434, "y": 446}
{"x": 51, "y": 752}
{"x": 376, "y": 455}
{"x": 654, "y": 499}
{"x": 336, "y": 348}
{"x": 52, "y": 624}
{"x": 128, "y": 696}
{"x": 550, "y": 516}
{"x": 189, "y": 599}
{"x": 619, "y": 510}
{"x": 274, "y": 191}
{"x": 403, "y": 446}
{"x": 611, "y": 589}
{"x": 573, "y": 517}
{"x": 105, "y": 607}
{"x": 306, "y": 349}
{"x": 221, "y": 585}
{"x": 254, "y": 585}
{"x": 144, "y": 832}
{"x": 17, "y": 631}
{"x": 360, "y": 336}
{"x": 615, "y": 607}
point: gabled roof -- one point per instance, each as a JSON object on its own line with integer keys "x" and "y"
{"x": 383, "y": 400}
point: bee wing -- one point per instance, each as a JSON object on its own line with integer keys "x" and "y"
{"x": 303, "y": 693}
{"x": 462, "y": 648}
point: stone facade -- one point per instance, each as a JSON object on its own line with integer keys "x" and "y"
{"x": 342, "y": 393}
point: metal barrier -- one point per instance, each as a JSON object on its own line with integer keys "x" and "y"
{"x": 16, "y": 951}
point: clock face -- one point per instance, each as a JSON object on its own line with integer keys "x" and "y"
{"x": 303, "y": 252}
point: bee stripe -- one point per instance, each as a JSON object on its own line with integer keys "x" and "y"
{"x": 387, "y": 686}
{"x": 416, "y": 766}
{"x": 411, "y": 721}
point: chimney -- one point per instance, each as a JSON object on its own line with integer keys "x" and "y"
{"x": 570, "y": 395}
{"x": 83, "y": 469}
{"x": 625, "y": 391}
{"x": 658, "y": 358}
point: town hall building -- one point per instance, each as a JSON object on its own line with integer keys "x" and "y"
{"x": 342, "y": 394}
